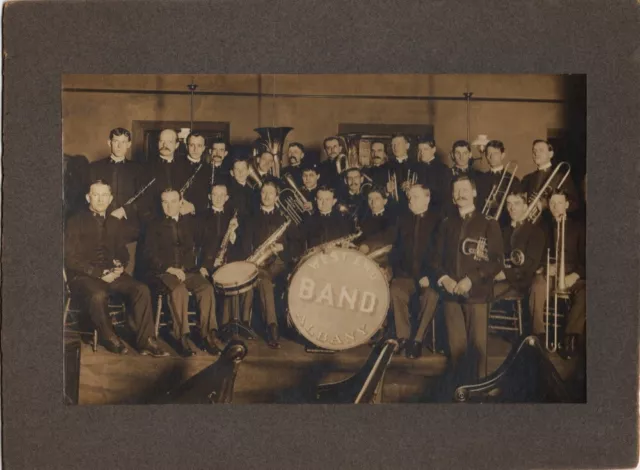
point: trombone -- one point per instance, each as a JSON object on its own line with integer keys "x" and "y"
{"x": 499, "y": 193}
{"x": 533, "y": 212}
{"x": 560, "y": 292}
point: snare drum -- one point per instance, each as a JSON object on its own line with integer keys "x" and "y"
{"x": 338, "y": 299}
{"x": 235, "y": 278}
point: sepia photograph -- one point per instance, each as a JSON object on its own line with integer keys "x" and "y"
{"x": 324, "y": 238}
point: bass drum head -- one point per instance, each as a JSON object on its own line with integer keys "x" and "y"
{"x": 236, "y": 277}
{"x": 339, "y": 299}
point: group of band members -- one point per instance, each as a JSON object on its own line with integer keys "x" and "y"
{"x": 423, "y": 208}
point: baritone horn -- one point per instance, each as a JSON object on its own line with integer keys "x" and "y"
{"x": 273, "y": 140}
{"x": 301, "y": 200}
{"x": 498, "y": 196}
{"x": 533, "y": 210}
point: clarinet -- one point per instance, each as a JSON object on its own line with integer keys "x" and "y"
{"x": 190, "y": 181}
{"x": 139, "y": 193}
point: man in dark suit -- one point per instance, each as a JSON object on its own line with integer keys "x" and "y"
{"x": 124, "y": 178}
{"x": 326, "y": 224}
{"x": 495, "y": 154}
{"x": 198, "y": 191}
{"x": 294, "y": 169}
{"x": 400, "y": 168}
{"x": 575, "y": 272}
{"x": 433, "y": 174}
{"x": 413, "y": 274}
{"x": 379, "y": 169}
{"x": 169, "y": 249}
{"x": 241, "y": 191}
{"x": 328, "y": 169}
{"x": 378, "y": 226}
{"x": 526, "y": 238}
{"x": 532, "y": 183}
{"x": 213, "y": 227}
{"x": 467, "y": 279}
{"x": 95, "y": 256}
{"x": 264, "y": 223}
{"x": 353, "y": 200}
{"x": 310, "y": 176}
{"x": 221, "y": 163}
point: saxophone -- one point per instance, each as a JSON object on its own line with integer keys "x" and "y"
{"x": 265, "y": 250}
{"x": 338, "y": 241}
{"x": 219, "y": 261}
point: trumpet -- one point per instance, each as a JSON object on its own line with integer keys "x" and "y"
{"x": 499, "y": 193}
{"x": 299, "y": 196}
{"x": 560, "y": 294}
{"x": 533, "y": 212}
{"x": 515, "y": 258}
{"x": 476, "y": 247}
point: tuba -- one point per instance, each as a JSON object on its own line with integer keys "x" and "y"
{"x": 498, "y": 195}
{"x": 557, "y": 295}
{"x": 273, "y": 140}
{"x": 533, "y": 212}
{"x": 351, "y": 145}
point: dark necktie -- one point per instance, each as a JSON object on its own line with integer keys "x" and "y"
{"x": 416, "y": 235}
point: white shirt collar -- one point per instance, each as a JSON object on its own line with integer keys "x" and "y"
{"x": 498, "y": 169}
{"x": 418, "y": 214}
{"x": 402, "y": 159}
{"x": 117, "y": 160}
{"x": 311, "y": 189}
{"x": 545, "y": 166}
{"x": 378, "y": 214}
{"x": 193, "y": 160}
{"x": 168, "y": 160}
{"x": 219, "y": 211}
{"x": 325, "y": 214}
{"x": 466, "y": 210}
{"x": 429, "y": 161}
{"x": 267, "y": 211}
{"x": 175, "y": 217}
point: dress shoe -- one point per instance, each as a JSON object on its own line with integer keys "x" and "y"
{"x": 115, "y": 346}
{"x": 402, "y": 344}
{"x": 414, "y": 350}
{"x": 151, "y": 348}
{"x": 248, "y": 333}
{"x": 185, "y": 347}
{"x": 273, "y": 337}
{"x": 212, "y": 343}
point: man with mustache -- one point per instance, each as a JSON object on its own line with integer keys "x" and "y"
{"x": 124, "y": 178}
{"x": 220, "y": 169}
{"x": 328, "y": 170}
{"x": 353, "y": 200}
{"x": 198, "y": 192}
{"x": 379, "y": 169}
{"x": 466, "y": 280}
{"x": 294, "y": 169}
{"x": 95, "y": 256}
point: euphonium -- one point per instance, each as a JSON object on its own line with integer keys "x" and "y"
{"x": 273, "y": 139}
{"x": 265, "y": 250}
{"x": 499, "y": 193}
{"x": 533, "y": 211}
{"x": 476, "y": 247}
{"x": 299, "y": 196}
{"x": 219, "y": 261}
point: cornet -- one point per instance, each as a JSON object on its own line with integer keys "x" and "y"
{"x": 533, "y": 211}
{"x": 394, "y": 181}
{"x": 515, "y": 258}
{"x": 476, "y": 247}
{"x": 498, "y": 195}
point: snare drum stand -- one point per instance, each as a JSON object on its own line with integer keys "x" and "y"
{"x": 235, "y": 329}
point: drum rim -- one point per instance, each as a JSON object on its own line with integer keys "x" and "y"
{"x": 297, "y": 269}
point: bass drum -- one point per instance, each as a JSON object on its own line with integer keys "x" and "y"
{"x": 235, "y": 278}
{"x": 338, "y": 299}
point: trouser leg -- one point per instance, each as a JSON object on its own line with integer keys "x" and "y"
{"x": 577, "y": 315}
{"x": 141, "y": 313}
{"x": 537, "y": 300}
{"x": 266, "y": 278}
{"x": 401, "y": 291}
{"x": 179, "y": 307}
{"x": 205, "y": 298}
{"x": 456, "y": 331}
{"x": 428, "y": 303}
{"x": 476, "y": 323}
{"x": 93, "y": 294}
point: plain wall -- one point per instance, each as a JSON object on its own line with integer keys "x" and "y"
{"x": 89, "y": 116}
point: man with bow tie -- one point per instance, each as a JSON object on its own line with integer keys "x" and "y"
{"x": 533, "y": 182}
{"x": 124, "y": 178}
{"x": 575, "y": 273}
{"x": 466, "y": 280}
{"x": 413, "y": 273}
{"x": 170, "y": 253}
{"x": 213, "y": 226}
{"x": 294, "y": 168}
{"x": 494, "y": 153}
{"x": 433, "y": 174}
{"x": 264, "y": 222}
{"x": 529, "y": 239}
{"x": 95, "y": 256}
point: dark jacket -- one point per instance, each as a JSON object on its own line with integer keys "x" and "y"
{"x": 530, "y": 239}
{"x": 167, "y": 175}
{"x": 170, "y": 244}
{"x": 125, "y": 179}
{"x": 450, "y": 261}
{"x": 319, "y": 229}
{"x": 92, "y": 243}
{"x": 260, "y": 226}
{"x": 532, "y": 183}
{"x": 574, "y": 246}
{"x": 212, "y": 227}
{"x": 414, "y": 245}
{"x": 435, "y": 175}
{"x": 243, "y": 198}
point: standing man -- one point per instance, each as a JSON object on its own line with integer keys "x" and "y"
{"x": 413, "y": 273}
{"x": 95, "y": 257}
{"x": 467, "y": 279}
{"x": 310, "y": 176}
{"x": 221, "y": 163}
{"x": 296, "y": 156}
{"x": 124, "y": 178}
{"x": 433, "y": 174}
{"x": 379, "y": 169}
{"x": 328, "y": 168}
{"x": 400, "y": 166}
{"x": 169, "y": 248}
{"x": 241, "y": 192}
{"x": 198, "y": 192}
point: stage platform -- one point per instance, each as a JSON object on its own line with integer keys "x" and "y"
{"x": 265, "y": 376}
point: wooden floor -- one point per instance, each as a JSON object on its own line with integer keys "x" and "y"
{"x": 265, "y": 376}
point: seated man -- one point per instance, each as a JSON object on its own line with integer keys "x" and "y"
{"x": 95, "y": 256}
{"x": 574, "y": 258}
{"x": 326, "y": 224}
{"x": 413, "y": 249}
{"x": 169, "y": 249}
{"x": 353, "y": 200}
{"x": 378, "y": 225}
{"x": 214, "y": 225}
{"x": 264, "y": 224}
